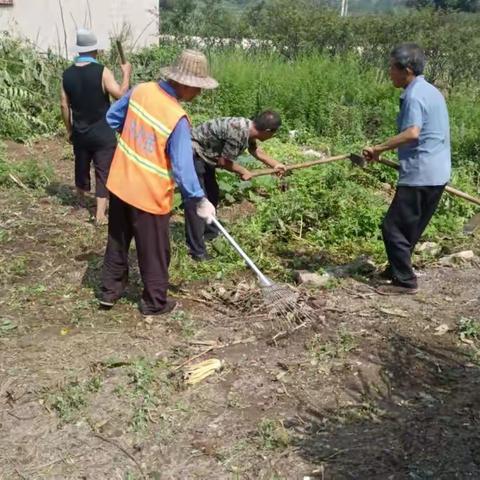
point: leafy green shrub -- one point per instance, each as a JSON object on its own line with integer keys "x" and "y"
{"x": 29, "y": 86}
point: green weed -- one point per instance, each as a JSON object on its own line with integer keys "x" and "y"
{"x": 18, "y": 267}
{"x": 29, "y": 86}
{"x": 6, "y": 327}
{"x": 272, "y": 435}
{"x": 184, "y": 321}
{"x": 469, "y": 328}
{"x": 321, "y": 351}
{"x": 83, "y": 310}
{"x": 33, "y": 291}
{"x": 68, "y": 401}
{"x": 367, "y": 410}
{"x": 94, "y": 384}
{"x": 142, "y": 375}
{"x": 29, "y": 173}
{"x": 4, "y": 235}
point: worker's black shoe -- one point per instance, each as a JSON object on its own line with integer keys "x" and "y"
{"x": 201, "y": 258}
{"x": 396, "y": 290}
{"x": 106, "y": 304}
{"x": 385, "y": 274}
{"x": 148, "y": 311}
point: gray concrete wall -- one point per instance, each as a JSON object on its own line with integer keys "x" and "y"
{"x": 40, "y": 21}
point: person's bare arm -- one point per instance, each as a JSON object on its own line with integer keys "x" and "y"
{"x": 234, "y": 168}
{"x": 111, "y": 86}
{"x": 259, "y": 154}
{"x": 66, "y": 112}
{"x": 409, "y": 135}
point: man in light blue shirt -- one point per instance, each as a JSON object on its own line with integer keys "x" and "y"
{"x": 423, "y": 145}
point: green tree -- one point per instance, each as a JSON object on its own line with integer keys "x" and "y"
{"x": 216, "y": 20}
{"x": 177, "y": 17}
{"x": 207, "y": 18}
{"x": 459, "y": 5}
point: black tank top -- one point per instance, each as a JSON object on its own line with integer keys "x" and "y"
{"x": 89, "y": 104}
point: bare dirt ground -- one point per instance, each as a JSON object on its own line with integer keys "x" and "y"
{"x": 380, "y": 387}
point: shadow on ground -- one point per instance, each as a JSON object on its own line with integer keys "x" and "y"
{"x": 66, "y": 194}
{"x": 92, "y": 277}
{"x": 420, "y": 423}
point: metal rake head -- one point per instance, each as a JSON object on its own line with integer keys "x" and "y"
{"x": 287, "y": 309}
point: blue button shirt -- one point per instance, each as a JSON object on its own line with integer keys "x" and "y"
{"x": 427, "y": 161}
{"x": 179, "y": 145}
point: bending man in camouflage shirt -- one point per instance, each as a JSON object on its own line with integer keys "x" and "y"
{"x": 217, "y": 144}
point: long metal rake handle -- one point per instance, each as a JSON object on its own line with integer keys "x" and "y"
{"x": 263, "y": 279}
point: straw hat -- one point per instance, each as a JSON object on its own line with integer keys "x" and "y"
{"x": 191, "y": 69}
{"x": 86, "y": 41}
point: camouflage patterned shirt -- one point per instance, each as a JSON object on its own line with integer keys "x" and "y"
{"x": 225, "y": 137}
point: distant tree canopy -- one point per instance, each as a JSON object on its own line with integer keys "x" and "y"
{"x": 236, "y": 17}
{"x": 457, "y": 5}
{"x": 452, "y": 40}
{"x": 206, "y": 18}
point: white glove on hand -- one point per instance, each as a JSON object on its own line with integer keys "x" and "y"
{"x": 206, "y": 210}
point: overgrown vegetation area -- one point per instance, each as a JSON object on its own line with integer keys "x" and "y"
{"x": 332, "y": 98}
{"x": 449, "y": 36}
{"x": 374, "y": 389}
{"x": 29, "y": 90}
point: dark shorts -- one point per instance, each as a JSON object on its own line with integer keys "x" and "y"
{"x": 102, "y": 159}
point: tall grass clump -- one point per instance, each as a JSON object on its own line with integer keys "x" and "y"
{"x": 27, "y": 173}
{"x": 336, "y": 100}
{"x": 332, "y": 98}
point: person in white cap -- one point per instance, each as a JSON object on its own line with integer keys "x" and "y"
{"x": 154, "y": 152}
{"x": 85, "y": 98}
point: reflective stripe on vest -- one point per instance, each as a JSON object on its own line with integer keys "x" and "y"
{"x": 143, "y": 162}
{"x": 141, "y": 172}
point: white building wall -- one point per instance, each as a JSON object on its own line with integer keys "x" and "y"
{"x": 40, "y": 21}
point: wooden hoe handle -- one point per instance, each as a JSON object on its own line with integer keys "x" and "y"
{"x": 269, "y": 171}
{"x": 448, "y": 188}
{"x": 463, "y": 195}
{"x": 121, "y": 52}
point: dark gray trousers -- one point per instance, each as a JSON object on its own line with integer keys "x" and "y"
{"x": 196, "y": 229}
{"x": 408, "y": 216}
{"x": 152, "y": 239}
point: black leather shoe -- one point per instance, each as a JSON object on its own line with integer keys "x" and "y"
{"x": 106, "y": 304}
{"x": 144, "y": 310}
{"x": 201, "y": 258}
{"x": 385, "y": 274}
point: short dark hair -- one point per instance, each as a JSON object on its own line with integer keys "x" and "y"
{"x": 409, "y": 55}
{"x": 267, "y": 121}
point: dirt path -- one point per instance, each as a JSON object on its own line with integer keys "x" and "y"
{"x": 382, "y": 388}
